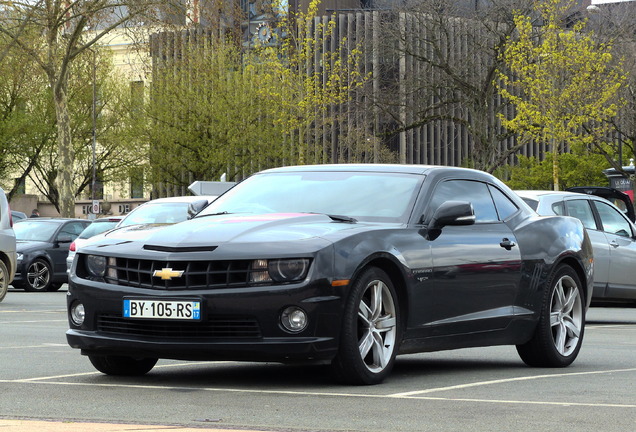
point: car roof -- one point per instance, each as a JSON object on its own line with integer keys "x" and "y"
{"x": 109, "y": 219}
{"x": 56, "y": 220}
{"x": 388, "y": 168}
{"x": 538, "y": 193}
{"x": 180, "y": 199}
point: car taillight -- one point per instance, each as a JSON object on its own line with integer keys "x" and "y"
{"x": 72, "y": 247}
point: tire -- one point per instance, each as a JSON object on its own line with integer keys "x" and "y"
{"x": 371, "y": 330}
{"x": 559, "y": 333}
{"x": 38, "y": 276}
{"x": 122, "y": 366}
{"x": 4, "y": 280}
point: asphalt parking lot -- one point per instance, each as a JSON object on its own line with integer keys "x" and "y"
{"x": 43, "y": 380}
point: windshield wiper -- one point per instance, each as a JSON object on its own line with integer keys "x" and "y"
{"x": 342, "y": 218}
{"x": 211, "y": 214}
{"x": 337, "y": 218}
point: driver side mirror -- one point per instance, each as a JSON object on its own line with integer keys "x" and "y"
{"x": 453, "y": 213}
{"x": 194, "y": 208}
{"x": 64, "y": 238}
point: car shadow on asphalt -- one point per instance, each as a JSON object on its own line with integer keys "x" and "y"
{"x": 299, "y": 377}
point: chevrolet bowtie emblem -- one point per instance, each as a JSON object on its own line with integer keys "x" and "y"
{"x": 167, "y": 273}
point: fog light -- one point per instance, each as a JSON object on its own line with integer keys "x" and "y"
{"x": 78, "y": 314}
{"x": 294, "y": 319}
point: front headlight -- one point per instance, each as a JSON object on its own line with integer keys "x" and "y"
{"x": 279, "y": 270}
{"x": 287, "y": 270}
{"x": 96, "y": 265}
{"x": 19, "y": 256}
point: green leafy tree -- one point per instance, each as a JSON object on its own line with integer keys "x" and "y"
{"x": 206, "y": 117}
{"x": 305, "y": 83}
{"x": 562, "y": 82}
{"x": 61, "y": 26}
{"x": 578, "y": 168}
{"x": 220, "y": 107}
{"x": 28, "y": 125}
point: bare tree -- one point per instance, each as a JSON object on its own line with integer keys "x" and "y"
{"x": 448, "y": 53}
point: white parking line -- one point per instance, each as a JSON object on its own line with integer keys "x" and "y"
{"x": 32, "y": 322}
{"x": 507, "y": 380}
{"x": 417, "y": 394}
{"x": 46, "y": 345}
{"x": 321, "y": 394}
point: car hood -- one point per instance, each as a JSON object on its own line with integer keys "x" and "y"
{"x": 228, "y": 232}
{"x": 24, "y": 246}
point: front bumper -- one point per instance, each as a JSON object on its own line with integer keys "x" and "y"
{"x": 236, "y": 324}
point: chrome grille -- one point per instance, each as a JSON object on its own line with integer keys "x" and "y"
{"x": 196, "y": 274}
{"x": 222, "y": 327}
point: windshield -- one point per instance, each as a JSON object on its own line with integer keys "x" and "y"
{"x": 383, "y": 197}
{"x": 28, "y": 230}
{"x": 97, "y": 228}
{"x": 157, "y": 213}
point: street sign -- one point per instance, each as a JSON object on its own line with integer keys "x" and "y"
{"x": 95, "y": 207}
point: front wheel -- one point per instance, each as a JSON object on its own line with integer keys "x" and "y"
{"x": 559, "y": 333}
{"x": 371, "y": 330}
{"x": 122, "y": 365}
{"x": 38, "y": 276}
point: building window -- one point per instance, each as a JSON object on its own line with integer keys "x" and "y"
{"x": 137, "y": 183}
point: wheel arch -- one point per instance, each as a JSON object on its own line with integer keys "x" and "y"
{"x": 392, "y": 268}
{"x": 576, "y": 265}
{"x": 7, "y": 262}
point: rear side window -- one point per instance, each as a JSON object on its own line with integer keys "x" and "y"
{"x": 534, "y": 204}
{"x": 581, "y": 210}
{"x": 558, "y": 208}
{"x": 505, "y": 207}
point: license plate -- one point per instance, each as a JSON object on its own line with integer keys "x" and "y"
{"x": 162, "y": 309}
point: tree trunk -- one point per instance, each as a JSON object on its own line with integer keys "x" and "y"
{"x": 66, "y": 155}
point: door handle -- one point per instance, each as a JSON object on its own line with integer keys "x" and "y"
{"x": 614, "y": 244}
{"x": 507, "y": 244}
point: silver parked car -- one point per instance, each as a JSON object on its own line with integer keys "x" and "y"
{"x": 153, "y": 214}
{"x": 98, "y": 226}
{"x": 612, "y": 234}
{"x": 7, "y": 246}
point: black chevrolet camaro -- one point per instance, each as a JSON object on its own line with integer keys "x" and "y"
{"x": 348, "y": 264}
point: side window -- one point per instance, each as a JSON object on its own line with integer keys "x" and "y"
{"x": 471, "y": 191}
{"x": 581, "y": 210}
{"x": 505, "y": 207}
{"x": 72, "y": 229}
{"x": 558, "y": 208}
{"x": 613, "y": 222}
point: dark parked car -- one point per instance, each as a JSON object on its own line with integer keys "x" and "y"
{"x": 350, "y": 264}
{"x": 42, "y": 246}
{"x": 612, "y": 234}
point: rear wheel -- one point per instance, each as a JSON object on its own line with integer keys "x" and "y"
{"x": 371, "y": 330}
{"x": 559, "y": 333}
{"x": 38, "y": 276}
{"x": 4, "y": 280}
{"x": 122, "y": 365}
